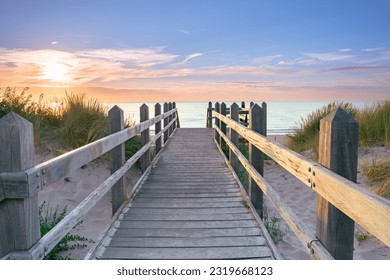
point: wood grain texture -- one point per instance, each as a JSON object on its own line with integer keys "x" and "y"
{"x": 145, "y": 135}
{"x": 117, "y": 157}
{"x": 190, "y": 207}
{"x": 19, "y": 221}
{"x": 157, "y": 112}
{"x": 338, "y": 151}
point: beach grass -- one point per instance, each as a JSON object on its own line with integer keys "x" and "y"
{"x": 376, "y": 170}
{"x": 374, "y": 126}
{"x": 74, "y": 121}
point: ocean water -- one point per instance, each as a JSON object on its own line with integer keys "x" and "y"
{"x": 282, "y": 117}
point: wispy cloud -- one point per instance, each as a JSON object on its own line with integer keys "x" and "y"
{"x": 54, "y": 43}
{"x": 266, "y": 59}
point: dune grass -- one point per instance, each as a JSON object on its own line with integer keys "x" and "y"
{"x": 374, "y": 126}
{"x": 76, "y": 120}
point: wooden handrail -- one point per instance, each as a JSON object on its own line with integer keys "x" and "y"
{"x": 50, "y": 239}
{"x": 35, "y": 178}
{"x": 304, "y": 234}
{"x": 369, "y": 210}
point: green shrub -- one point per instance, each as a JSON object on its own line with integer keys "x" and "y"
{"x": 48, "y": 220}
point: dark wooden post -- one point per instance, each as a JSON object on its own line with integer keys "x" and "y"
{"x": 217, "y": 122}
{"x": 170, "y": 118}
{"x": 174, "y": 115}
{"x": 256, "y": 158}
{"x": 157, "y": 129}
{"x": 338, "y": 151}
{"x": 223, "y": 126}
{"x": 264, "y": 106}
{"x": 117, "y": 157}
{"x": 145, "y": 158}
{"x": 242, "y": 104}
{"x": 166, "y": 121}
{"x": 19, "y": 220}
{"x": 209, "y": 120}
{"x": 234, "y": 115}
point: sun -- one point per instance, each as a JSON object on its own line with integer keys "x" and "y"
{"x": 56, "y": 72}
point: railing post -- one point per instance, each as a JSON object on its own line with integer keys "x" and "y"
{"x": 223, "y": 126}
{"x": 217, "y": 122}
{"x": 19, "y": 220}
{"x": 174, "y": 115}
{"x": 166, "y": 121}
{"x": 157, "y": 129}
{"x": 170, "y": 118}
{"x": 234, "y": 115}
{"x": 256, "y": 157}
{"x": 338, "y": 151}
{"x": 117, "y": 157}
{"x": 209, "y": 120}
{"x": 145, "y": 158}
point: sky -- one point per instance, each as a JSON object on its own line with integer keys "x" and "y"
{"x": 148, "y": 50}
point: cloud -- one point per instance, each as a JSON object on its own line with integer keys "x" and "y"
{"x": 188, "y": 58}
{"x": 373, "y": 49}
{"x": 266, "y": 59}
{"x": 185, "y": 31}
{"x": 330, "y": 56}
{"x": 345, "y": 50}
{"x": 54, "y": 43}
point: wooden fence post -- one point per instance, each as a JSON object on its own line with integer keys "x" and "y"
{"x": 234, "y": 115}
{"x": 338, "y": 151}
{"x": 174, "y": 115}
{"x": 217, "y": 122}
{"x": 256, "y": 157}
{"x": 157, "y": 112}
{"x": 166, "y": 121}
{"x": 209, "y": 120}
{"x": 170, "y": 118}
{"x": 223, "y": 126}
{"x": 145, "y": 158}
{"x": 19, "y": 220}
{"x": 117, "y": 157}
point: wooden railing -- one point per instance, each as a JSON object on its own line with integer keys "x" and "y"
{"x": 243, "y": 113}
{"x": 340, "y": 200}
{"x": 21, "y": 179}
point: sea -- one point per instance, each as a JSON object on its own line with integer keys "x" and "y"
{"x": 282, "y": 116}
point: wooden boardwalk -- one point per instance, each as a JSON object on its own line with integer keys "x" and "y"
{"x": 190, "y": 207}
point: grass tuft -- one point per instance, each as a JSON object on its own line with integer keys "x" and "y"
{"x": 376, "y": 170}
{"x": 384, "y": 189}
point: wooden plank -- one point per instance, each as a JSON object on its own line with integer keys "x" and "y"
{"x": 187, "y": 242}
{"x": 187, "y": 224}
{"x": 367, "y": 209}
{"x": 189, "y": 205}
{"x": 188, "y": 217}
{"x": 19, "y": 221}
{"x": 195, "y": 211}
{"x": 335, "y": 229}
{"x": 217, "y": 121}
{"x": 142, "y": 199}
{"x": 188, "y": 253}
{"x": 117, "y": 157}
{"x": 188, "y": 233}
{"x": 189, "y": 195}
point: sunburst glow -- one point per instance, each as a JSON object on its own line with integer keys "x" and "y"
{"x": 56, "y": 72}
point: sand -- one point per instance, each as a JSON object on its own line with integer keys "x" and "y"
{"x": 301, "y": 199}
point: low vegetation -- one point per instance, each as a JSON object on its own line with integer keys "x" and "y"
{"x": 48, "y": 219}
{"x": 66, "y": 124}
{"x": 374, "y": 126}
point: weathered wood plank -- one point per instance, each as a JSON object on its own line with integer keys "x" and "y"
{"x": 188, "y": 233}
{"x": 191, "y": 211}
{"x": 188, "y": 195}
{"x": 188, "y": 253}
{"x": 145, "y": 158}
{"x": 157, "y": 127}
{"x": 233, "y": 241}
{"x": 189, "y": 205}
{"x": 167, "y": 200}
{"x": 187, "y": 224}
{"x": 367, "y": 209}
{"x": 188, "y": 217}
